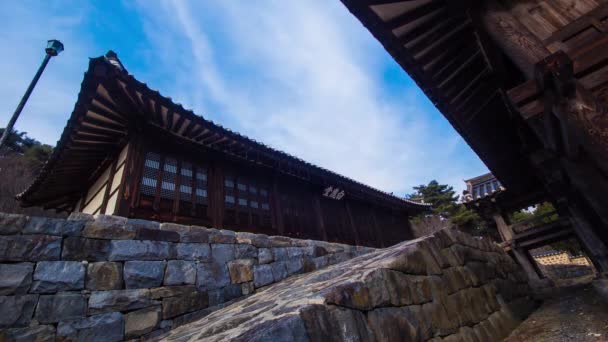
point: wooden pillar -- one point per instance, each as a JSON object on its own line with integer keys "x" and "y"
{"x": 598, "y": 253}
{"x": 178, "y": 193}
{"x": 505, "y": 231}
{"x": 352, "y": 223}
{"x": 514, "y": 39}
{"x": 522, "y": 258}
{"x": 277, "y": 208}
{"x": 581, "y": 118}
{"x": 216, "y": 195}
{"x": 316, "y": 204}
{"x": 377, "y": 230}
{"x": 106, "y": 195}
{"x": 129, "y": 186}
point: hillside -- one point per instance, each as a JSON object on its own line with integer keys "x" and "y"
{"x": 20, "y": 160}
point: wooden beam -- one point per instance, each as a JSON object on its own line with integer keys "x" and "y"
{"x": 455, "y": 35}
{"x": 129, "y": 175}
{"x": 424, "y": 26}
{"x": 352, "y": 223}
{"x": 516, "y": 41}
{"x": 118, "y": 117}
{"x": 460, "y": 92}
{"x": 157, "y": 113}
{"x": 108, "y": 187}
{"x": 215, "y": 185}
{"x": 452, "y": 70}
{"x": 106, "y": 113}
{"x": 170, "y": 114}
{"x": 414, "y": 14}
{"x": 503, "y": 229}
{"x": 188, "y": 129}
{"x": 91, "y": 129}
{"x": 133, "y": 102}
{"x": 523, "y": 260}
{"x": 376, "y": 229}
{"x": 277, "y": 207}
{"x": 578, "y": 25}
{"x": 595, "y": 247}
{"x": 443, "y": 53}
{"x": 316, "y": 205}
{"x": 179, "y": 122}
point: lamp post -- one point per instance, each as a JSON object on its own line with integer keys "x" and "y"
{"x": 53, "y": 48}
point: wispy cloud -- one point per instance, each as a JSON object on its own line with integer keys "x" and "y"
{"x": 302, "y": 76}
{"x": 26, "y": 26}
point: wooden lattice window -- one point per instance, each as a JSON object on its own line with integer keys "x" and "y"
{"x": 170, "y": 186}
{"x": 246, "y": 203}
{"x": 149, "y": 180}
{"x": 201, "y": 198}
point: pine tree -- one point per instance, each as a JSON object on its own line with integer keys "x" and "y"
{"x": 445, "y": 204}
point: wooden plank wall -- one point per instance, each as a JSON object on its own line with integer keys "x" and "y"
{"x": 296, "y": 208}
{"x": 103, "y": 195}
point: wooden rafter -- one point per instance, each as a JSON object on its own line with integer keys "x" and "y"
{"x": 414, "y": 14}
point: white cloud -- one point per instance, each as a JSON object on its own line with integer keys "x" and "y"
{"x": 302, "y": 76}
{"x": 25, "y": 29}
{"x": 311, "y": 86}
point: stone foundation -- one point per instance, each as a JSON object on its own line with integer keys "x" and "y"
{"x": 444, "y": 287}
{"x": 109, "y": 278}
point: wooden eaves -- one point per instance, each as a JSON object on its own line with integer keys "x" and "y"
{"x": 112, "y": 105}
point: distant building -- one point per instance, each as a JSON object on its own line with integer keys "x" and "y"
{"x": 481, "y": 186}
{"x": 129, "y": 151}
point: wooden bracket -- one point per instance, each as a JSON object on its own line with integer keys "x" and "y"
{"x": 556, "y": 72}
{"x": 555, "y": 80}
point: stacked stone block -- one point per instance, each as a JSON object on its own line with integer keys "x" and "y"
{"x": 444, "y": 287}
{"x": 109, "y": 278}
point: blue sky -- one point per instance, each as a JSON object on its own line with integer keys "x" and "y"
{"x": 302, "y": 76}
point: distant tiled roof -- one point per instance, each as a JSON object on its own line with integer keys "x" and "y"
{"x": 545, "y": 253}
{"x": 552, "y": 252}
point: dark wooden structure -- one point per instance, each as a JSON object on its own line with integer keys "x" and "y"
{"x": 129, "y": 151}
{"x": 524, "y": 83}
{"x": 493, "y": 202}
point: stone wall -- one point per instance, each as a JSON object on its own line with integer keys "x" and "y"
{"x": 444, "y": 287}
{"x": 109, "y": 278}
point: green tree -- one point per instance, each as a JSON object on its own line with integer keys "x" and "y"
{"x": 15, "y": 141}
{"x": 34, "y": 152}
{"x": 520, "y": 216}
{"x": 445, "y": 204}
{"x": 538, "y": 211}
{"x": 441, "y": 196}
{"x": 570, "y": 245}
{"x": 37, "y": 155}
{"x": 19, "y": 161}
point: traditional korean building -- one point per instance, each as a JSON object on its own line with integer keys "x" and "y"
{"x": 524, "y": 83}
{"x": 129, "y": 151}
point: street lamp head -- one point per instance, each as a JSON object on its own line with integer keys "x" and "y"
{"x": 54, "y": 47}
